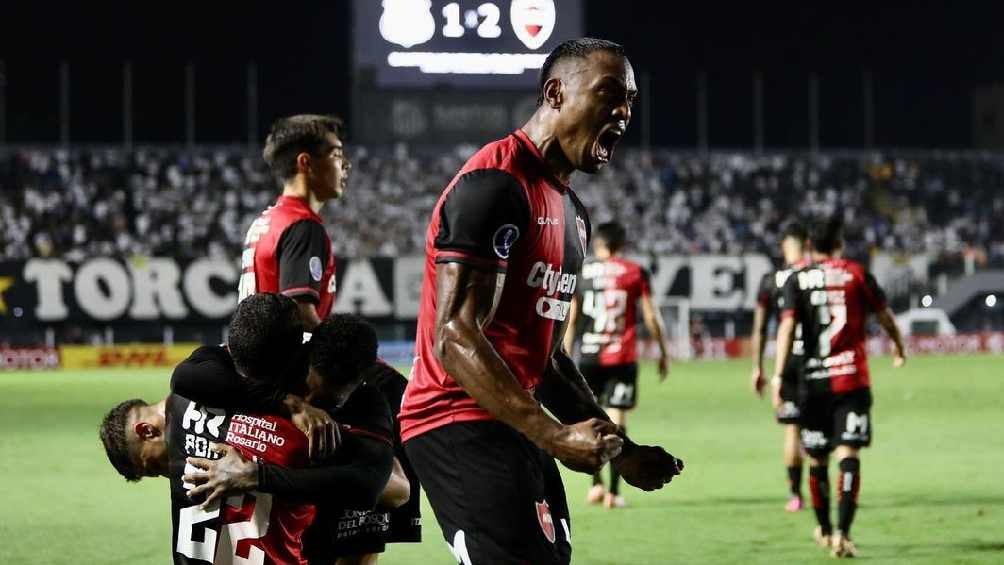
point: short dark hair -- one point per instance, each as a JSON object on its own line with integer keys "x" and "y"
{"x": 796, "y": 230}
{"x": 826, "y": 235}
{"x": 113, "y": 436}
{"x": 264, "y": 335}
{"x": 341, "y": 348}
{"x": 613, "y": 234}
{"x": 292, "y": 135}
{"x": 581, "y": 48}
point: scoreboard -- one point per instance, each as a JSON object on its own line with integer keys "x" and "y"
{"x": 462, "y": 43}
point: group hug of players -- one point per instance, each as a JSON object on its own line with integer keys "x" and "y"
{"x": 294, "y": 443}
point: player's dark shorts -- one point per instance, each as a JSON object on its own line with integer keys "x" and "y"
{"x": 339, "y": 532}
{"x": 615, "y": 386}
{"x": 497, "y": 496}
{"x": 836, "y": 419}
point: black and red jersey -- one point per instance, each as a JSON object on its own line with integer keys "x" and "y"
{"x": 770, "y": 296}
{"x": 609, "y": 295}
{"x": 831, "y": 300}
{"x": 288, "y": 251}
{"x": 506, "y": 212}
{"x": 253, "y": 527}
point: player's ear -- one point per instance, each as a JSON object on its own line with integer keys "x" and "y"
{"x": 554, "y": 92}
{"x": 146, "y": 431}
{"x": 303, "y": 162}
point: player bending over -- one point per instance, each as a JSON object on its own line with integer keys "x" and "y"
{"x": 784, "y": 395}
{"x": 830, "y": 299}
{"x": 612, "y": 289}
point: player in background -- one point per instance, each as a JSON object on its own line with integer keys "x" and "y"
{"x": 784, "y": 397}
{"x": 504, "y": 250}
{"x": 607, "y": 301}
{"x": 831, "y": 299}
{"x": 287, "y": 250}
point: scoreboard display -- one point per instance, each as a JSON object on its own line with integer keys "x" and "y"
{"x": 464, "y": 43}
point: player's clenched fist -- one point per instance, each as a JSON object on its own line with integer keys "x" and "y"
{"x": 648, "y": 467}
{"x": 585, "y": 446}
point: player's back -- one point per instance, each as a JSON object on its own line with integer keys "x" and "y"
{"x": 252, "y": 527}
{"x": 610, "y": 291}
{"x": 833, "y": 298}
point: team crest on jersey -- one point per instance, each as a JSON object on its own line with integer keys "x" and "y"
{"x": 504, "y": 239}
{"x": 316, "y": 269}
{"x": 545, "y": 519}
{"x": 580, "y": 225}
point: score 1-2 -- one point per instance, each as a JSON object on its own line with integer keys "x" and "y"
{"x": 487, "y": 28}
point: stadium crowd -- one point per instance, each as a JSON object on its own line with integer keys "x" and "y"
{"x": 159, "y": 201}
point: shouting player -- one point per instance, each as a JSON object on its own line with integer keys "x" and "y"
{"x": 611, "y": 290}
{"x": 785, "y": 392}
{"x": 830, "y": 299}
{"x": 504, "y": 250}
{"x": 287, "y": 250}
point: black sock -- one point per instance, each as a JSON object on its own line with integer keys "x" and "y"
{"x": 598, "y": 478}
{"x": 819, "y": 487}
{"x": 795, "y": 480}
{"x": 850, "y": 483}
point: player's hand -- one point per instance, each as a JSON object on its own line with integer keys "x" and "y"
{"x": 775, "y": 396}
{"x": 898, "y": 361}
{"x": 663, "y": 367}
{"x": 586, "y": 446}
{"x": 648, "y": 467}
{"x": 758, "y": 382}
{"x": 218, "y": 478}
{"x": 321, "y": 430}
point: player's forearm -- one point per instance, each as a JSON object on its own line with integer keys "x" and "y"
{"x": 568, "y": 340}
{"x": 308, "y": 315}
{"x": 657, "y": 329}
{"x": 564, "y": 392}
{"x": 888, "y": 322}
{"x": 357, "y": 484}
{"x": 398, "y": 489}
{"x": 470, "y": 359}
{"x": 758, "y": 337}
{"x": 785, "y": 336}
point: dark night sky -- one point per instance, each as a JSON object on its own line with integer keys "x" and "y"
{"x": 925, "y": 60}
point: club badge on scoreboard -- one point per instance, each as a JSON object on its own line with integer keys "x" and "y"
{"x": 532, "y": 21}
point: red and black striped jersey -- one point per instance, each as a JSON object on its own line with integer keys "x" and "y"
{"x": 506, "y": 212}
{"x": 831, "y": 300}
{"x": 609, "y": 295}
{"x": 288, "y": 251}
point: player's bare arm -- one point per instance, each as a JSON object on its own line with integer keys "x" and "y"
{"x": 653, "y": 321}
{"x": 888, "y": 322}
{"x": 785, "y": 337}
{"x": 565, "y": 393}
{"x": 308, "y": 313}
{"x": 398, "y": 489}
{"x": 568, "y": 340}
{"x": 758, "y": 339}
{"x": 466, "y": 301}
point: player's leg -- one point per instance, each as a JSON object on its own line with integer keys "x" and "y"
{"x": 853, "y": 422}
{"x": 793, "y": 465}
{"x": 596, "y": 378}
{"x": 621, "y": 397}
{"x": 816, "y": 431}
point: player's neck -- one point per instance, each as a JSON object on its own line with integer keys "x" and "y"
{"x": 542, "y": 135}
{"x": 817, "y": 257}
{"x": 298, "y": 189}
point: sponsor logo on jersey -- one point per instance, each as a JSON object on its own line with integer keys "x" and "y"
{"x": 545, "y": 519}
{"x": 316, "y": 268}
{"x": 544, "y": 276}
{"x": 545, "y": 221}
{"x": 504, "y": 239}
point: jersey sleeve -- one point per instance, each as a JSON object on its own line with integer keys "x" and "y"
{"x": 873, "y": 294}
{"x": 303, "y": 254}
{"x": 208, "y": 377}
{"x": 765, "y": 291}
{"x": 481, "y": 218}
{"x": 788, "y": 299}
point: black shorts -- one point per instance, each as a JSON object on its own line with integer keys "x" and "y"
{"x": 789, "y": 412}
{"x": 838, "y": 419}
{"x": 615, "y": 386}
{"x": 338, "y": 532}
{"x": 497, "y": 496}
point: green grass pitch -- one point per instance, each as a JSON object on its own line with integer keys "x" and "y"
{"x": 931, "y": 484}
